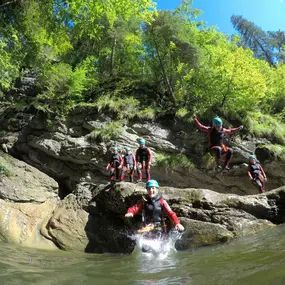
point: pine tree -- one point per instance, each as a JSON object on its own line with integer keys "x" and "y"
{"x": 254, "y": 38}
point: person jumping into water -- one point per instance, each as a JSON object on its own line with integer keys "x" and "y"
{"x": 216, "y": 134}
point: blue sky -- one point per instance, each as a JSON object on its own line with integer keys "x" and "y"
{"x": 269, "y": 15}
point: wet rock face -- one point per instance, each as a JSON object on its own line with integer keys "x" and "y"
{"x": 28, "y": 198}
{"x": 68, "y": 151}
{"x": 20, "y": 182}
{"x": 25, "y": 223}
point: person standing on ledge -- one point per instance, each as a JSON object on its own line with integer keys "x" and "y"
{"x": 115, "y": 165}
{"x": 143, "y": 159}
{"x": 130, "y": 165}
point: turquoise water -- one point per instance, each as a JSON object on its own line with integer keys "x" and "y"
{"x": 258, "y": 259}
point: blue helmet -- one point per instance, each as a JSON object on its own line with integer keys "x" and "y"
{"x": 252, "y": 156}
{"x": 152, "y": 183}
{"x": 141, "y": 141}
{"x": 114, "y": 148}
{"x": 217, "y": 122}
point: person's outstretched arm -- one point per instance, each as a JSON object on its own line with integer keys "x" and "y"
{"x": 203, "y": 128}
{"x": 232, "y": 130}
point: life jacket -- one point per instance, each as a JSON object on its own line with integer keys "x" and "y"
{"x": 129, "y": 160}
{"x": 153, "y": 210}
{"x": 216, "y": 137}
{"x": 255, "y": 170}
{"x": 115, "y": 160}
{"x": 142, "y": 154}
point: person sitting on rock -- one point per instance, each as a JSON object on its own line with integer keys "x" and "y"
{"x": 115, "y": 165}
{"x": 129, "y": 165}
{"x": 153, "y": 209}
{"x": 216, "y": 133}
{"x": 143, "y": 159}
{"x": 256, "y": 173}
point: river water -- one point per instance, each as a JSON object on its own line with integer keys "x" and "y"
{"x": 259, "y": 259}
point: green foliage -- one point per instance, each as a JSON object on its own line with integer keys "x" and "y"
{"x": 123, "y": 107}
{"x": 146, "y": 113}
{"x": 229, "y": 80}
{"x": 172, "y": 161}
{"x": 8, "y": 70}
{"x": 181, "y": 113}
{"x": 110, "y": 131}
{"x": 264, "y": 125}
{"x": 62, "y": 88}
{"x": 86, "y": 15}
{"x": 42, "y": 36}
{"x": 4, "y": 170}
{"x": 278, "y": 150}
{"x": 275, "y": 99}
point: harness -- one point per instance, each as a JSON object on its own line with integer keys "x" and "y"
{"x": 115, "y": 160}
{"x": 129, "y": 160}
{"x": 255, "y": 169}
{"x": 143, "y": 154}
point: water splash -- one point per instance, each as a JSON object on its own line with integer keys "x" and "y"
{"x": 158, "y": 248}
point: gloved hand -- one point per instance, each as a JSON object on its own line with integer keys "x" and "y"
{"x": 179, "y": 227}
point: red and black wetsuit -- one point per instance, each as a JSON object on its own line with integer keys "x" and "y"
{"x": 153, "y": 211}
{"x": 129, "y": 166}
{"x": 116, "y": 163}
{"x": 256, "y": 173}
{"x": 144, "y": 157}
{"x": 216, "y": 141}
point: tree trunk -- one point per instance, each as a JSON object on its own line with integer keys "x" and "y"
{"x": 165, "y": 77}
{"x": 113, "y": 57}
{"x": 268, "y": 57}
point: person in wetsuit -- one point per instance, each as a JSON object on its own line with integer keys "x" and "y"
{"x": 216, "y": 133}
{"x": 256, "y": 173}
{"x": 143, "y": 159}
{"x": 115, "y": 165}
{"x": 153, "y": 209}
{"x": 129, "y": 165}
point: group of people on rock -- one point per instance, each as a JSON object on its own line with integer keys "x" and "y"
{"x": 128, "y": 163}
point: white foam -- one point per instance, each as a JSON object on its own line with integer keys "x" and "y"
{"x": 158, "y": 247}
